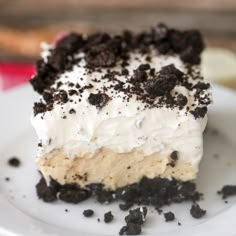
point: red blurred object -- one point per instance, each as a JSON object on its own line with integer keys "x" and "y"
{"x": 14, "y": 74}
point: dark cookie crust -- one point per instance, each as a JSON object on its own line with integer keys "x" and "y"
{"x": 157, "y": 192}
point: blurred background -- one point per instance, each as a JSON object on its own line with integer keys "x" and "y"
{"x": 26, "y": 23}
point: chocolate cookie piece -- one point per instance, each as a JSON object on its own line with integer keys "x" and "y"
{"x": 88, "y": 213}
{"x": 108, "y": 217}
{"x": 196, "y": 211}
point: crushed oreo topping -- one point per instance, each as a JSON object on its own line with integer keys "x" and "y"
{"x": 159, "y": 86}
{"x": 62, "y": 96}
{"x": 139, "y": 75}
{"x": 14, "y": 162}
{"x": 39, "y": 107}
{"x": 108, "y": 217}
{"x": 159, "y": 33}
{"x": 199, "y": 112}
{"x": 171, "y": 70}
{"x": 99, "y": 100}
{"x": 144, "y": 67}
{"x": 102, "y": 51}
{"x": 125, "y": 72}
{"x": 165, "y": 82}
{"x": 227, "y": 191}
{"x": 88, "y": 213}
{"x": 71, "y": 42}
{"x": 48, "y": 97}
{"x": 72, "y": 111}
{"x": 169, "y": 216}
{"x": 196, "y": 211}
{"x": 181, "y": 100}
{"x": 101, "y": 56}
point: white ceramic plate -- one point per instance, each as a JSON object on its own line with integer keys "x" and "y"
{"x": 21, "y": 213}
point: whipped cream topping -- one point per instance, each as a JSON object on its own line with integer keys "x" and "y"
{"x": 123, "y": 126}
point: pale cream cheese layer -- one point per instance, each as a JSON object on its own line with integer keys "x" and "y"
{"x": 113, "y": 170}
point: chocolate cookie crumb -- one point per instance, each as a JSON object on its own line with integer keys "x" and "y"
{"x": 102, "y": 54}
{"x": 125, "y": 206}
{"x": 199, "y": 112}
{"x": 71, "y": 42}
{"x": 39, "y": 107}
{"x": 181, "y": 100}
{"x": 139, "y": 75}
{"x": 144, "y": 67}
{"x": 14, "y": 162}
{"x": 72, "y": 111}
{"x": 137, "y": 216}
{"x": 174, "y": 155}
{"x": 156, "y": 192}
{"x": 227, "y": 191}
{"x": 179, "y": 224}
{"x": 170, "y": 70}
{"x": 108, "y": 217}
{"x": 47, "y": 193}
{"x": 125, "y": 72}
{"x": 159, "y": 210}
{"x": 173, "y": 159}
{"x": 72, "y": 92}
{"x": 169, "y": 216}
{"x": 196, "y": 211}
{"x": 66, "y": 210}
{"x": 73, "y": 194}
{"x": 159, "y": 32}
{"x": 47, "y": 96}
{"x": 159, "y": 86}
{"x": 40, "y": 144}
{"x": 7, "y": 179}
{"x": 99, "y": 100}
{"x": 88, "y": 213}
{"x": 131, "y": 229}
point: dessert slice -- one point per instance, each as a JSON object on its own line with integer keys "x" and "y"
{"x": 123, "y": 111}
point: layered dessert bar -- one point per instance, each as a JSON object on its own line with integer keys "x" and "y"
{"x": 121, "y": 111}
